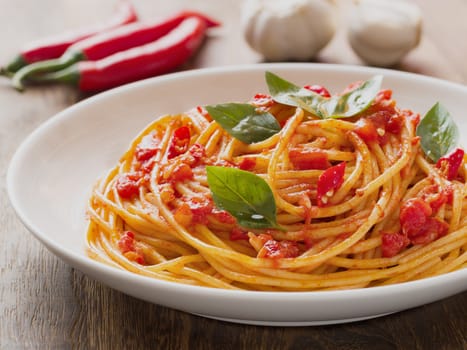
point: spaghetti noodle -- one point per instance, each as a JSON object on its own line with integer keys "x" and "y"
{"x": 358, "y": 203}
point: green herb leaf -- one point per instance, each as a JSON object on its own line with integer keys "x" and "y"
{"x": 343, "y": 106}
{"x": 287, "y": 93}
{"x": 438, "y": 132}
{"x": 355, "y": 101}
{"x": 244, "y": 122}
{"x": 244, "y": 195}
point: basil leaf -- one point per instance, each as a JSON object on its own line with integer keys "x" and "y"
{"x": 244, "y": 122}
{"x": 244, "y": 195}
{"x": 285, "y": 92}
{"x": 438, "y": 132}
{"x": 342, "y": 106}
{"x": 355, "y": 101}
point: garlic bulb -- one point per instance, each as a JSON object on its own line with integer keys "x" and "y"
{"x": 288, "y": 29}
{"x": 381, "y": 32}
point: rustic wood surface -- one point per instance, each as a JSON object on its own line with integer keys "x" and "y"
{"x": 45, "y": 304}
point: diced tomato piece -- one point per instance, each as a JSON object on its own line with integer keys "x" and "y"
{"x": 127, "y": 246}
{"x": 277, "y": 250}
{"x": 237, "y": 234}
{"x": 385, "y": 94}
{"x": 366, "y": 129}
{"x": 196, "y": 209}
{"x": 147, "y": 148}
{"x": 306, "y": 158}
{"x": 413, "y": 216}
{"x": 179, "y": 142}
{"x": 145, "y": 153}
{"x": 375, "y": 126}
{"x": 200, "y": 209}
{"x": 198, "y": 152}
{"x": 136, "y": 257}
{"x": 126, "y": 242}
{"x": 418, "y": 224}
{"x": 167, "y": 193}
{"x": 183, "y": 215}
{"x": 128, "y": 185}
{"x": 449, "y": 193}
{"x": 147, "y": 165}
{"x": 247, "y": 163}
{"x": 450, "y": 164}
{"x": 223, "y": 216}
{"x": 289, "y": 249}
{"x": 395, "y": 124}
{"x": 329, "y": 181}
{"x": 320, "y": 90}
{"x": 181, "y": 172}
{"x": 262, "y": 100}
{"x": 436, "y": 196}
{"x": 393, "y": 243}
{"x": 433, "y": 229}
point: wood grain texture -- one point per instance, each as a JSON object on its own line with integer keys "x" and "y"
{"x": 45, "y": 304}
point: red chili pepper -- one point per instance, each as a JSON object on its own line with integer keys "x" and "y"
{"x": 451, "y": 163}
{"x": 54, "y": 47}
{"x": 158, "y": 57}
{"x": 329, "y": 181}
{"x": 108, "y": 43}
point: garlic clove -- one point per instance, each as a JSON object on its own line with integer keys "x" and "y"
{"x": 288, "y": 29}
{"x": 382, "y": 32}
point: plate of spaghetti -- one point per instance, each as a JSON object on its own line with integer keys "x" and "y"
{"x": 273, "y": 194}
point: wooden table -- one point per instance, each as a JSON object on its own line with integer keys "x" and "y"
{"x": 44, "y": 303}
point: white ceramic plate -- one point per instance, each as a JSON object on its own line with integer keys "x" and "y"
{"x": 53, "y": 171}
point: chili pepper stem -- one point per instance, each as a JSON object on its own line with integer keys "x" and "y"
{"x": 16, "y": 63}
{"x": 69, "y": 75}
{"x": 37, "y": 68}
{"x": 5, "y": 72}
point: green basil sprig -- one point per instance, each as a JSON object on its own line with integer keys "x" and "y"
{"x": 244, "y": 195}
{"x": 438, "y": 132}
{"x": 244, "y": 122}
{"x": 338, "y": 106}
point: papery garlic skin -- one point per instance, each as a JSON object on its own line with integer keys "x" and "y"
{"x": 288, "y": 29}
{"x": 382, "y": 32}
